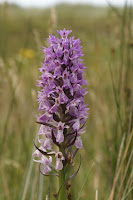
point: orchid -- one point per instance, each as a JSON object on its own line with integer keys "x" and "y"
{"x": 61, "y": 103}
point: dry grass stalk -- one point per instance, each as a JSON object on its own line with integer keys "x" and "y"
{"x": 120, "y": 152}
{"x": 96, "y": 198}
{"x": 130, "y": 118}
{"x": 28, "y": 175}
{"x": 47, "y": 197}
{"x": 129, "y": 183}
{"x": 27, "y": 180}
{"x": 120, "y": 167}
{"x": 52, "y": 20}
{"x": 120, "y": 188}
{"x": 37, "y": 40}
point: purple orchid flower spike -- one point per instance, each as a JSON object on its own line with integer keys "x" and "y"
{"x": 61, "y": 103}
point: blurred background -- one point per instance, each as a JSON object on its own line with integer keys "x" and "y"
{"x": 105, "y": 29}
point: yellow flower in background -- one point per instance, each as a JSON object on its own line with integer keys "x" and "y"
{"x": 27, "y": 53}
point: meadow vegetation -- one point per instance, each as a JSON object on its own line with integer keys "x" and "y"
{"x": 107, "y": 39}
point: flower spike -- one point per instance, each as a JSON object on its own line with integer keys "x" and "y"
{"x": 62, "y": 110}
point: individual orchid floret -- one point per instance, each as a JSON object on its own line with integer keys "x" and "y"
{"x": 60, "y": 135}
{"x": 64, "y": 33}
{"x": 46, "y": 162}
{"x": 37, "y": 153}
{"x": 59, "y": 158}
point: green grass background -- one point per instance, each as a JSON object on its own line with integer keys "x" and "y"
{"x": 107, "y": 40}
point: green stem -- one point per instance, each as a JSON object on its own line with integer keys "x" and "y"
{"x": 62, "y": 195}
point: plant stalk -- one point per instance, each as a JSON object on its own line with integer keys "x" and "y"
{"x": 62, "y": 195}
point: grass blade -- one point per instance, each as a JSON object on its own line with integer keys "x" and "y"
{"x": 128, "y": 193}
{"x": 120, "y": 167}
{"x": 85, "y": 181}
